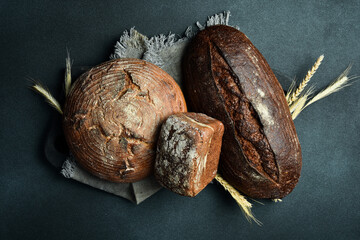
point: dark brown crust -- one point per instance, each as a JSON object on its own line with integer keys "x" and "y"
{"x": 188, "y": 152}
{"x": 112, "y": 117}
{"x": 228, "y": 78}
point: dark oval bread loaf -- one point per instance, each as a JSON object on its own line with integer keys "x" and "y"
{"x": 112, "y": 117}
{"x": 227, "y": 78}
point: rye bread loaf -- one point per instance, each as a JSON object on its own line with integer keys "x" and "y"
{"x": 227, "y": 78}
{"x": 113, "y": 114}
{"x": 188, "y": 152}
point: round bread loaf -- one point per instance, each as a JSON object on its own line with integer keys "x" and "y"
{"x": 227, "y": 78}
{"x": 112, "y": 117}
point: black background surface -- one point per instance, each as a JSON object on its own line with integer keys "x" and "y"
{"x": 36, "y": 202}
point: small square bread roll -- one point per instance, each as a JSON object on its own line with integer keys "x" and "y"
{"x": 188, "y": 152}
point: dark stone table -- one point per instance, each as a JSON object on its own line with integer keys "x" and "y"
{"x": 36, "y": 202}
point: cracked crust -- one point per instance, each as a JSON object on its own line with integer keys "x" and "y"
{"x": 112, "y": 117}
{"x": 227, "y": 78}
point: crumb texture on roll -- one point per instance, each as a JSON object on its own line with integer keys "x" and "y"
{"x": 112, "y": 117}
{"x": 188, "y": 152}
{"x": 227, "y": 78}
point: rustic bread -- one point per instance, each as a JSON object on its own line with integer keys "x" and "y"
{"x": 227, "y": 78}
{"x": 188, "y": 152}
{"x": 113, "y": 114}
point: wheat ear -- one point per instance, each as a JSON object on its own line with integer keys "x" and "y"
{"x": 67, "y": 73}
{"x": 49, "y": 98}
{"x": 290, "y": 90}
{"x": 294, "y": 95}
{"x": 300, "y": 103}
{"x": 240, "y": 199}
{"x": 299, "y": 106}
{"x": 340, "y": 82}
{"x": 295, "y": 105}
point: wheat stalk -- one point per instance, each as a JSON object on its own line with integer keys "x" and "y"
{"x": 49, "y": 98}
{"x": 295, "y": 94}
{"x": 240, "y": 199}
{"x": 67, "y": 73}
